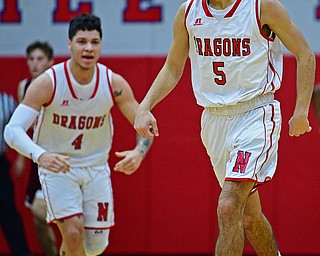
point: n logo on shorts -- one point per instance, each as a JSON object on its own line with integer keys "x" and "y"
{"x": 102, "y": 211}
{"x": 241, "y": 162}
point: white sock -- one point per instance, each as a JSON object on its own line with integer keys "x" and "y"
{"x": 279, "y": 253}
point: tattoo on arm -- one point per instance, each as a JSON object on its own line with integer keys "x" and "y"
{"x": 143, "y": 145}
{"x": 117, "y": 93}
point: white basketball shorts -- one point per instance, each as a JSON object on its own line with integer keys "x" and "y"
{"x": 83, "y": 191}
{"x": 243, "y": 146}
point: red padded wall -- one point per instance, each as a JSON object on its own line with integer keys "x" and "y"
{"x": 169, "y": 204}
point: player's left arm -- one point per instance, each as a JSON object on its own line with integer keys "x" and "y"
{"x": 125, "y": 100}
{"x": 276, "y": 17}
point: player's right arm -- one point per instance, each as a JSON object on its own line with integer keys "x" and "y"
{"x": 166, "y": 80}
{"x": 38, "y": 94}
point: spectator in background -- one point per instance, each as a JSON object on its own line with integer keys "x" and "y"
{"x": 10, "y": 219}
{"x": 39, "y": 59}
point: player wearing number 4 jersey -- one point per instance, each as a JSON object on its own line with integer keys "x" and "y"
{"x": 78, "y": 116}
{"x": 236, "y": 64}
{"x": 73, "y": 137}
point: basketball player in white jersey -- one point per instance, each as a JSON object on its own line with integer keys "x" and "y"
{"x": 236, "y": 63}
{"x": 39, "y": 59}
{"x": 73, "y": 137}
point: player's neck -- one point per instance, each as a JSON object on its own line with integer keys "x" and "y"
{"x": 220, "y": 4}
{"x": 81, "y": 75}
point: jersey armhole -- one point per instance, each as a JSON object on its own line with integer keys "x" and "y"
{"x": 187, "y": 12}
{"x": 53, "y": 78}
{"x": 109, "y": 77}
{"x": 257, "y": 9}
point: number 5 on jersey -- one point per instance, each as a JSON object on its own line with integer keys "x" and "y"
{"x": 220, "y": 78}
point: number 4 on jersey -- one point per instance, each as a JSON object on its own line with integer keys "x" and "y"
{"x": 77, "y": 142}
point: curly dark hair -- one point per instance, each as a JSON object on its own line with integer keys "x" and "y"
{"x": 84, "y": 22}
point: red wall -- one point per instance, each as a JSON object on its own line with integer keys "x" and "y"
{"x": 169, "y": 205}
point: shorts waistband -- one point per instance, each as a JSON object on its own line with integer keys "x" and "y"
{"x": 242, "y": 107}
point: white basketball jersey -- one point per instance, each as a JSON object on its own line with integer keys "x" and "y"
{"x": 81, "y": 129}
{"x": 231, "y": 60}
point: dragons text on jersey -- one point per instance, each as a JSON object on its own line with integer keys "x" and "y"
{"x": 78, "y": 122}
{"x": 233, "y": 47}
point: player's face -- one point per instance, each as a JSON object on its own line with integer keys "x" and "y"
{"x": 85, "y": 48}
{"x": 38, "y": 62}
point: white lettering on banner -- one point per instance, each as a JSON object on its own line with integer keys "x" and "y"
{"x": 135, "y": 11}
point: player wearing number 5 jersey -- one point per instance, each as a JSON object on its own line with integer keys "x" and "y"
{"x": 236, "y": 65}
{"x": 223, "y": 54}
{"x": 73, "y": 136}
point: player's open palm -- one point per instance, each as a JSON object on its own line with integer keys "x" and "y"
{"x": 130, "y": 162}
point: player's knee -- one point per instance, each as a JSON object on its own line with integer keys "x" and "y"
{"x": 229, "y": 209}
{"x": 226, "y": 206}
{"x": 96, "y": 241}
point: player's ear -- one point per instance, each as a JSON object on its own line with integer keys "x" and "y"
{"x": 69, "y": 44}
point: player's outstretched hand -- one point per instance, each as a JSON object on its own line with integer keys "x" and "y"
{"x": 299, "y": 126}
{"x": 130, "y": 162}
{"x": 54, "y": 162}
